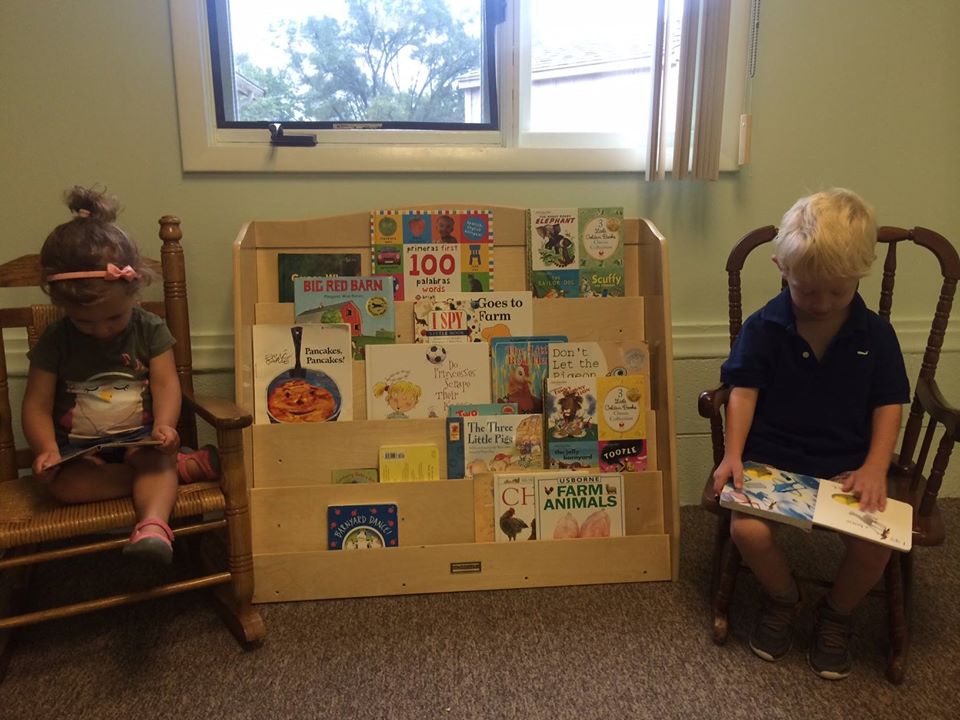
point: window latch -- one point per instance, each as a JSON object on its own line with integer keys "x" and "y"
{"x": 278, "y": 137}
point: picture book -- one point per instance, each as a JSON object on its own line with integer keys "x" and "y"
{"x": 413, "y": 380}
{"x": 601, "y": 252}
{"x": 553, "y": 252}
{"x": 593, "y": 359}
{"x": 433, "y": 251}
{"x": 106, "y": 444}
{"x": 302, "y": 373}
{"x": 494, "y": 443}
{"x": 354, "y": 476}
{"x": 363, "y": 303}
{"x": 514, "y": 507}
{"x": 579, "y": 506}
{"x": 597, "y": 422}
{"x": 362, "y": 527}
{"x": 290, "y": 266}
{"x": 804, "y": 501}
{"x": 575, "y": 252}
{"x": 409, "y": 463}
{"x": 518, "y": 368}
{"x": 470, "y": 410}
{"x": 472, "y": 317}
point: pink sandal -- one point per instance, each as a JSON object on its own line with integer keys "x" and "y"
{"x": 151, "y": 538}
{"x": 207, "y": 459}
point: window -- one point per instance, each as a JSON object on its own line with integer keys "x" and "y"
{"x": 483, "y": 85}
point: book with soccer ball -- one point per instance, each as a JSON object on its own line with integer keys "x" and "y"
{"x": 804, "y": 501}
{"x": 419, "y": 380}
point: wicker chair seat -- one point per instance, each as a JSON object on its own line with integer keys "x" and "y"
{"x": 29, "y": 514}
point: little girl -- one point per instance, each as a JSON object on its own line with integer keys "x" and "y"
{"x": 107, "y": 371}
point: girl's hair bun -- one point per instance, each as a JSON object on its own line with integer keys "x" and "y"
{"x": 93, "y": 204}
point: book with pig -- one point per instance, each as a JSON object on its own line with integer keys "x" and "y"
{"x": 493, "y": 443}
{"x": 571, "y": 505}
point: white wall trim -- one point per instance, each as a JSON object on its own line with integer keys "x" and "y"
{"x": 213, "y": 351}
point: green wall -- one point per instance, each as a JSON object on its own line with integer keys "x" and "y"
{"x": 857, "y": 93}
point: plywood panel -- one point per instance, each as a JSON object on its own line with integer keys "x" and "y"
{"x": 434, "y": 568}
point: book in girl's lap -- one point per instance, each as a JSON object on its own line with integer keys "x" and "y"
{"x": 818, "y": 382}
{"x": 106, "y": 371}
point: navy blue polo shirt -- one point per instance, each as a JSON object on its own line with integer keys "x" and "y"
{"x": 815, "y": 416}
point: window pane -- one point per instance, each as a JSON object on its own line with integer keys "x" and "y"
{"x": 416, "y": 62}
{"x": 590, "y": 65}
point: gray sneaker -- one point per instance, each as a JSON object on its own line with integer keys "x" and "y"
{"x": 772, "y": 634}
{"x": 829, "y": 655}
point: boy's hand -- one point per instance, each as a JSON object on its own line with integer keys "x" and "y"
{"x": 168, "y": 436}
{"x": 869, "y": 485}
{"x": 728, "y": 467}
{"x": 41, "y": 462}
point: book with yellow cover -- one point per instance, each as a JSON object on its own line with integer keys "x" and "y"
{"x": 409, "y": 463}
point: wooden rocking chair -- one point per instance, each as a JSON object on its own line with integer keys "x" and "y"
{"x": 29, "y": 516}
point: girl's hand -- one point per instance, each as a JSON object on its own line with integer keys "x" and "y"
{"x": 869, "y": 485}
{"x": 168, "y": 436}
{"x": 728, "y": 467}
{"x": 41, "y": 462}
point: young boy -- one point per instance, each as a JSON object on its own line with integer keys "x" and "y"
{"x": 818, "y": 381}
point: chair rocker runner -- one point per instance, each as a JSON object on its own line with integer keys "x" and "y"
{"x": 29, "y": 516}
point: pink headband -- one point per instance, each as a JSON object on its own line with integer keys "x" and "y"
{"x": 111, "y": 273}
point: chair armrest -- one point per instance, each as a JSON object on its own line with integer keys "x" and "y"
{"x": 712, "y": 402}
{"x": 936, "y": 406}
{"x": 222, "y": 414}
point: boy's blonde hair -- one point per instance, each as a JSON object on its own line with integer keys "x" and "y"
{"x": 828, "y": 235}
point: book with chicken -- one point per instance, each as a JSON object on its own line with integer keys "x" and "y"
{"x": 804, "y": 501}
{"x": 514, "y": 507}
{"x": 518, "y": 368}
{"x": 573, "y": 505}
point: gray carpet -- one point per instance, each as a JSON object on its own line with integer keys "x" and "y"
{"x": 614, "y": 651}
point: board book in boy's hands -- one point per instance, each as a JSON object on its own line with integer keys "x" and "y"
{"x": 805, "y": 501}
{"x": 99, "y": 447}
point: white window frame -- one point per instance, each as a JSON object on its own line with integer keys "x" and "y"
{"x": 205, "y": 148}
